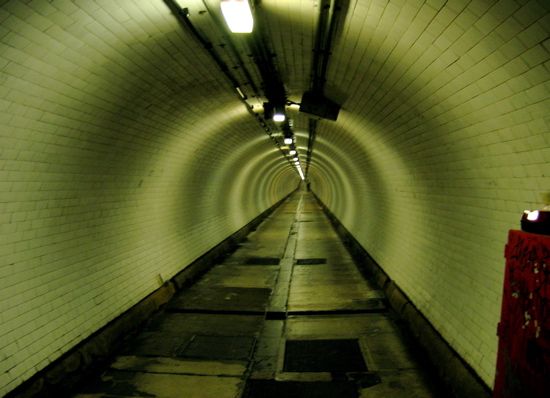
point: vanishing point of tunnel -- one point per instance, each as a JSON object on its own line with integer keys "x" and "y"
{"x": 319, "y": 207}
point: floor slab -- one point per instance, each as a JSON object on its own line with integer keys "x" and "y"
{"x": 287, "y": 314}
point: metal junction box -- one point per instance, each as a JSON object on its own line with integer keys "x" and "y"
{"x": 523, "y": 363}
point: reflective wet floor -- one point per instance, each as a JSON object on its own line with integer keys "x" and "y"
{"x": 288, "y": 314}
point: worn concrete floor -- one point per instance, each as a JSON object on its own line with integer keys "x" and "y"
{"x": 288, "y": 314}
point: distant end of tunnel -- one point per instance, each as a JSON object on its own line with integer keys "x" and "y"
{"x": 126, "y": 154}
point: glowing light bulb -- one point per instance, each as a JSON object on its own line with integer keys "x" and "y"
{"x": 238, "y": 15}
{"x": 533, "y": 215}
{"x": 278, "y": 117}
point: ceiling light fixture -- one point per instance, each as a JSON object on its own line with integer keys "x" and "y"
{"x": 301, "y": 173}
{"x": 241, "y": 94}
{"x": 274, "y": 112}
{"x": 279, "y": 113}
{"x": 292, "y": 152}
{"x": 279, "y": 117}
{"x": 288, "y": 140}
{"x": 238, "y": 15}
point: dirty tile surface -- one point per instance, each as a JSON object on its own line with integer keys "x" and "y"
{"x": 288, "y": 314}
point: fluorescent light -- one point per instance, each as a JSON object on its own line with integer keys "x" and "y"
{"x": 279, "y": 112}
{"x": 295, "y": 159}
{"x": 240, "y": 92}
{"x": 292, "y": 152}
{"x": 238, "y": 15}
{"x": 288, "y": 141}
{"x": 278, "y": 117}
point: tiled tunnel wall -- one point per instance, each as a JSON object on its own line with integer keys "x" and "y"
{"x": 121, "y": 162}
{"x": 118, "y": 168}
{"x": 444, "y": 144}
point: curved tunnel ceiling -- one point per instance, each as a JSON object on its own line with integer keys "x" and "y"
{"x": 127, "y": 153}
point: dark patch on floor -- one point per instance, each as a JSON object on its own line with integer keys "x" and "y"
{"x": 323, "y": 356}
{"x": 261, "y": 261}
{"x": 372, "y": 305}
{"x": 222, "y": 298}
{"x": 295, "y": 389}
{"x": 157, "y": 344}
{"x": 115, "y": 383}
{"x": 219, "y": 347}
{"x": 207, "y": 324}
{"x": 311, "y": 261}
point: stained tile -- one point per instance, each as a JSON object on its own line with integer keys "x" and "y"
{"x": 179, "y": 366}
{"x": 208, "y": 324}
{"x": 159, "y": 344}
{"x": 254, "y": 276}
{"x": 137, "y": 384}
{"x": 222, "y": 299}
{"x": 219, "y": 347}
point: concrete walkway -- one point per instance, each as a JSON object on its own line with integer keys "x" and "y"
{"x": 288, "y": 314}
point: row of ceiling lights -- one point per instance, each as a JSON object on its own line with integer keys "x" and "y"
{"x": 293, "y": 155}
{"x": 238, "y": 16}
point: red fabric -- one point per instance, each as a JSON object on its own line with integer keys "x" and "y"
{"x": 523, "y": 364}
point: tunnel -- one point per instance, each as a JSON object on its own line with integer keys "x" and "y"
{"x": 137, "y": 138}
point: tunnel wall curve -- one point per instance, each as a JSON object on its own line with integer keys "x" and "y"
{"x": 122, "y": 161}
{"x": 113, "y": 177}
{"x": 444, "y": 145}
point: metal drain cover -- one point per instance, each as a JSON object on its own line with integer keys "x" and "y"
{"x": 311, "y": 261}
{"x": 323, "y": 356}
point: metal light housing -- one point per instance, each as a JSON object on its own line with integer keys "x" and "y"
{"x": 237, "y": 15}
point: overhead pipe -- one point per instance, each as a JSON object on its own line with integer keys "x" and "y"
{"x": 182, "y": 15}
{"x": 234, "y": 51}
{"x": 327, "y": 50}
{"x": 318, "y": 49}
{"x": 317, "y": 84}
{"x": 321, "y": 56}
{"x": 312, "y": 129}
{"x": 263, "y": 56}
